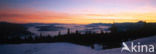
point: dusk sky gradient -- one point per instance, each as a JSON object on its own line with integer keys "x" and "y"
{"x": 77, "y": 11}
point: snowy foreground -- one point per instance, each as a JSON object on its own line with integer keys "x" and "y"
{"x": 67, "y": 48}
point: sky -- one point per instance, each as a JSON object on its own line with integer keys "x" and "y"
{"x": 77, "y": 11}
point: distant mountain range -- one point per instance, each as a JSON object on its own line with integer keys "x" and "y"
{"x": 13, "y": 29}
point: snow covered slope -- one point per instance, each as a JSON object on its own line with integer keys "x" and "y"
{"x": 66, "y": 48}
{"x": 143, "y": 41}
{"x": 45, "y": 48}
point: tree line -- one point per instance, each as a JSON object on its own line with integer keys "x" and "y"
{"x": 110, "y": 40}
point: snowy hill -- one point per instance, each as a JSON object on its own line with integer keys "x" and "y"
{"x": 143, "y": 41}
{"x": 66, "y": 48}
{"x": 45, "y": 48}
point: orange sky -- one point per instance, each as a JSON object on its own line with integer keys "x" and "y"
{"x": 78, "y": 11}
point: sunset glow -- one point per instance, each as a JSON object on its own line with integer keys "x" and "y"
{"x": 77, "y": 11}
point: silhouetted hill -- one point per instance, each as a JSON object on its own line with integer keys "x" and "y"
{"x": 129, "y": 26}
{"x": 12, "y": 29}
{"x": 98, "y": 24}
